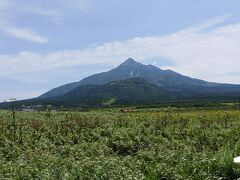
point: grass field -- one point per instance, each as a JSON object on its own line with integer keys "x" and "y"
{"x": 107, "y": 144}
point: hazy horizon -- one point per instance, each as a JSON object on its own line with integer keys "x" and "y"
{"x": 46, "y": 44}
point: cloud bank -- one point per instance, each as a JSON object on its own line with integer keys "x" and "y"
{"x": 209, "y": 50}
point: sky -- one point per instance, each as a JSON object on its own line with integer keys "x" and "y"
{"x": 45, "y": 44}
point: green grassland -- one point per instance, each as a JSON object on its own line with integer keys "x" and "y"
{"x": 107, "y": 144}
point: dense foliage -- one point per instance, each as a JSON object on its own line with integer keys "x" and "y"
{"x": 108, "y": 144}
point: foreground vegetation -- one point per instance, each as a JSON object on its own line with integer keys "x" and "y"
{"x": 107, "y": 144}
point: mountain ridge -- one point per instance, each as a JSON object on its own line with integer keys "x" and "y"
{"x": 129, "y": 69}
{"x": 134, "y": 83}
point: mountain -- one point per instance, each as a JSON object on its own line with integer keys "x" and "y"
{"x": 128, "y": 91}
{"x": 133, "y": 83}
{"x": 175, "y": 83}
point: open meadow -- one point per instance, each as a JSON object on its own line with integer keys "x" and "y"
{"x": 109, "y": 144}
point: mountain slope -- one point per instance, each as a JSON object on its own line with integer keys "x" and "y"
{"x": 59, "y": 91}
{"x": 166, "y": 79}
{"x": 129, "y": 91}
{"x": 132, "y": 91}
{"x": 128, "y": 69}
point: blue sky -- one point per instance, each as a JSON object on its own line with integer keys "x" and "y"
{"x": 44, "y": 44}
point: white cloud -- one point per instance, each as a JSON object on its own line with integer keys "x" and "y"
{"x": 12, "y": 10}
{"x": 209, "y": 51}
{"x": 54, "y": 15}
{"x": 25, "y": 34}
{"x": 9, "y": 9}
{"x": 55, "y": 10}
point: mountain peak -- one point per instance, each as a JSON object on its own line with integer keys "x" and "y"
{"x": 130, "y": 61}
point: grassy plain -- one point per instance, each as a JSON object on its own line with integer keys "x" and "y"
{"x": 107, "y": 144}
